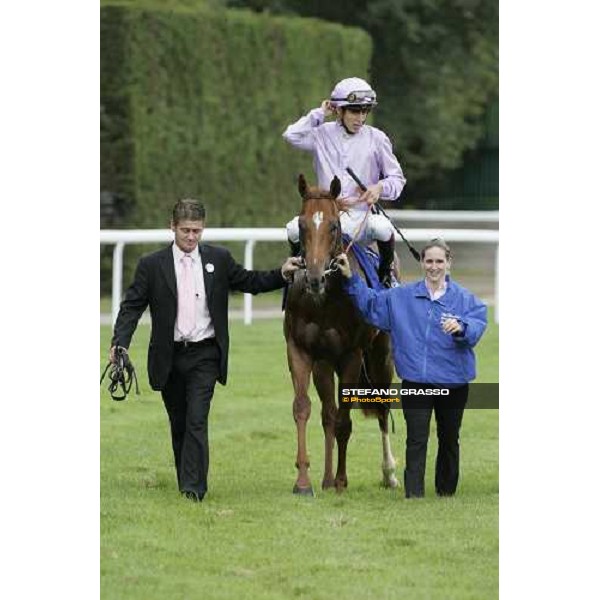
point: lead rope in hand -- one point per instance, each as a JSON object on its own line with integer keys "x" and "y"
{"x": 122, "y": 375}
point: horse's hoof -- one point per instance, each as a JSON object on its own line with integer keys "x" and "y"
{"x": 327, "y": 484}
{"x": 303, "y": 491}
{"x": 340, "y": 485}
{"x": 391, "y": 483}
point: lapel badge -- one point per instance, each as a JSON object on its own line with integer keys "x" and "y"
{"x": 209, "y": 267}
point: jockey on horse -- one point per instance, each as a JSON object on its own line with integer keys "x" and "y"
{"x": 349, "y": 142}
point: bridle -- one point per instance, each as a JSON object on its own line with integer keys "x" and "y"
{"x": 338, "y": 245}
{"x": 122, "y": 375}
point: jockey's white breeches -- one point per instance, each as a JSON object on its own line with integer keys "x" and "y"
{"x": 353, "y": 222}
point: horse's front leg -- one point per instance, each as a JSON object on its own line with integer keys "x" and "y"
{"x": 388, "y": 466}
{"x": 324, "y": 382}
{"x": 300, "y": 365}
{"x": 348, "y": 373}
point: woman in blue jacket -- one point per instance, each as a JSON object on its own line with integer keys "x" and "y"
{"x": 434, "y": 325}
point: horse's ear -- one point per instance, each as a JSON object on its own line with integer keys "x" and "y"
{"x": 302, "y": 185}
{"x": 335, "y": 188}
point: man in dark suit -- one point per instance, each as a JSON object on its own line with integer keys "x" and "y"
{"x": 187, "y": 288}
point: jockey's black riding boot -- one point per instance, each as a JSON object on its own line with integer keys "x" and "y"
{"x": 295, "y": 249}
{"x": 386, "y": 259}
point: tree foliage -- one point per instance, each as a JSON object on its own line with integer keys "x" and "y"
{"x": 194, "y": 102}
{"x": 434, "y": 66}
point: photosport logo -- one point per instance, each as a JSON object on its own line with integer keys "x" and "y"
{"x": 480, "y": 395}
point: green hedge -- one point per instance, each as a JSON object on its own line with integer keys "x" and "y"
{"x": 194, "y": 103}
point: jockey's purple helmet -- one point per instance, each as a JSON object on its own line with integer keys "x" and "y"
{"x": 353, "y": 92}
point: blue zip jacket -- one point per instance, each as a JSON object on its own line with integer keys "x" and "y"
{"x": 422, "y": 351}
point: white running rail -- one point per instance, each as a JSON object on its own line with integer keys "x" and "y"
{"x": 121, "y": 237}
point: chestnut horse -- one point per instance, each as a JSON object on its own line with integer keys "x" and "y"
{"x": 325, "y": 334}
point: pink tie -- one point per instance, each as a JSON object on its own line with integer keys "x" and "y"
{"x": 186, "y": 298}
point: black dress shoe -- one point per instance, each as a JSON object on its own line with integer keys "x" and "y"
{"x": 192, "y": 496}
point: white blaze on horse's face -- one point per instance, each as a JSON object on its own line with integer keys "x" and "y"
{"x": 317, "y": 219}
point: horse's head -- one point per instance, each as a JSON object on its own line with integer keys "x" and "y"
{"x": 320, "y": 232}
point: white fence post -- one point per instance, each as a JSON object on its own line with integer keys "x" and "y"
{"x": 497, "y": 287}
{"x": 117, "y": 279}
{"x": 248, "y": 262}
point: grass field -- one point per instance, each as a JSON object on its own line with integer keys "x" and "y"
{"x": 251, "y": 538}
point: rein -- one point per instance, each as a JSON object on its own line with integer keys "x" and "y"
{"x": 379, "y": 209}
{"x": 357, "y": 233}
{"x": 122, "y": 375}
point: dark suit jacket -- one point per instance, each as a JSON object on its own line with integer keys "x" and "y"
{"x": 155, "y": 285}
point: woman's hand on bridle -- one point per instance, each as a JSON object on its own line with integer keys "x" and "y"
{"x": 344, "y": 265}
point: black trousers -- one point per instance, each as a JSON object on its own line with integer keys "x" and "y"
{"x": 417, "y": 415}
{"x": 187, "y": 396}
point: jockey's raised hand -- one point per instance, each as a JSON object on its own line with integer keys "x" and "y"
{"x": 327, "y": 107}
